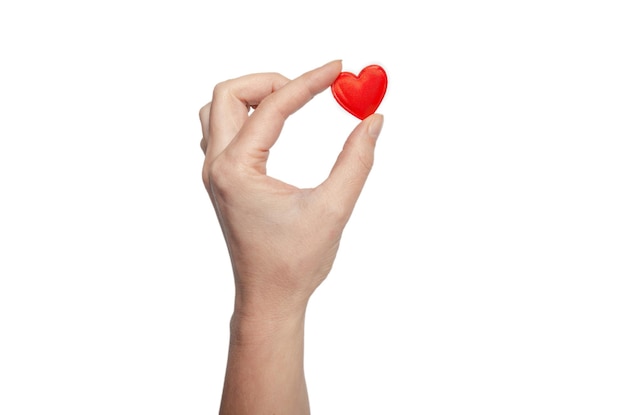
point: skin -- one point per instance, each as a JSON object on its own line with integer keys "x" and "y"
{"x": 282, "y": 240}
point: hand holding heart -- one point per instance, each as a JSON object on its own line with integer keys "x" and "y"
{"x": 282, "y": 240}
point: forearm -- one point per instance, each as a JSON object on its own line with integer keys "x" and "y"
{"x": 265, "y": 373}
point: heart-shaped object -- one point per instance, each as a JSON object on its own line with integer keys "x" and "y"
{"x": 361, "y": 95}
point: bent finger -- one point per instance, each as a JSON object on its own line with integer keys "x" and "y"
{"x": 263, "y": 128}
{"x": 231, "y": 103}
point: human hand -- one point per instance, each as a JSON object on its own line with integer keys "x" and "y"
{"x": 282, "y": 240}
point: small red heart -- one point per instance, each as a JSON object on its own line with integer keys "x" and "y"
{"x": 361, "y": 95}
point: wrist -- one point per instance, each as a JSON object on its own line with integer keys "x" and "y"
{"x": 253, "y": 326}
{"x": 265, "y": 368}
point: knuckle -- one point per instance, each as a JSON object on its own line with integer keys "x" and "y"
{"x": 219, "y": 174}
{"x": 204, "y": 112}
{"x": 334, "y": 211}
{"x": 337, "y": 213}
{"x": 221, "y": 89}
{"x": 205, "y": 176}
{"x": 275, "y": 107}
{"x": 366, "y": 160}
{"x": 218, "y": 169}
{"x": 365, "y": 155}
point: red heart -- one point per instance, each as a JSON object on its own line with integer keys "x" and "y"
{"x": 361, "y": 95}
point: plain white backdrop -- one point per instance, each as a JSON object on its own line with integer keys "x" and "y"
{"x": 483, "y": 270}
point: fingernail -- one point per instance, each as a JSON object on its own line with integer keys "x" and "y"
{"x": 376, "y": 124}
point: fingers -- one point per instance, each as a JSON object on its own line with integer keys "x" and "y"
{"x": 263, "y": 128}
{"x": 228, "y": 111}
{"x": 347, "y": 177}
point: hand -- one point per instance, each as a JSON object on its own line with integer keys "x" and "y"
{"x": 282, "y": 240}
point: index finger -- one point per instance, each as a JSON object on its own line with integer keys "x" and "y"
{"x": 261, "y": 131}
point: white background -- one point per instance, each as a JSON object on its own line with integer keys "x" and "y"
{"x": 483, "y": 271}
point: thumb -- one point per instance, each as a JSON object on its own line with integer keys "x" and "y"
{"x": 347, "y": 177}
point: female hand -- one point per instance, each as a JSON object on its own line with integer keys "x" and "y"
{"x": 282, "y": 240}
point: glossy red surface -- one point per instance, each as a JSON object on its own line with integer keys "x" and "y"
{"x": 361, "y": 95}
